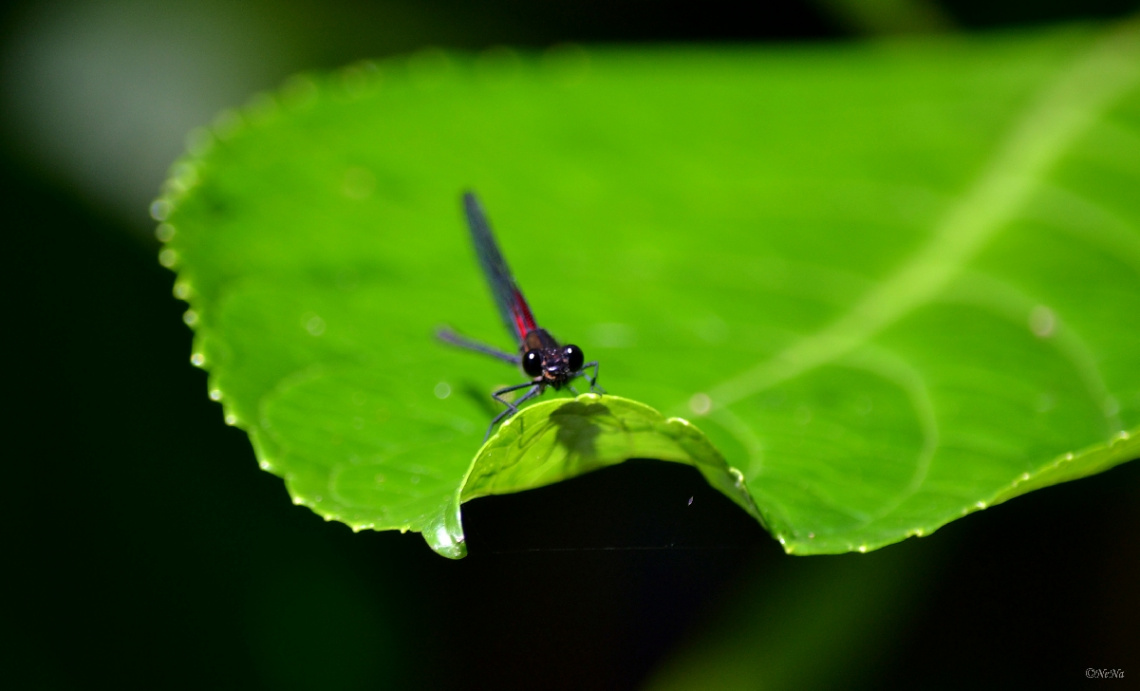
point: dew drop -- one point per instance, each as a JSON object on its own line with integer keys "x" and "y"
{"x": 444, "y": 541}
{"x": 356, "y": 79}
{"x": 173, "y": 187}
{"x": 1042, "y": 321}
{"x": 700, "y": 403}
{"x": 168, "y": 258}
{"x": 215, "y": 394}
{"x": 442, "y": 390}
{"x": 186, "y": 173}
{"x": 737, "y": 477}
{"x": 863, "y": 549}
{"x": 300, "y": 91}
{"x": 231, "y": 419}
{"x": 164, "y": 232}
{"x": 190, "y": 317}
{"x": 182, "y": 290}
{"x": 197, "y": 359}
{"x": 314, "y": 325}
{"x": 160, "y": 209}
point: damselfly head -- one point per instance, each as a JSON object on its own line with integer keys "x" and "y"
{"x": 553, "y": 366}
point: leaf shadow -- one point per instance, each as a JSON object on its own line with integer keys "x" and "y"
{"x": 578, "y": 428}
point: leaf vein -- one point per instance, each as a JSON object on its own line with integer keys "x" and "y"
{"x": 1065, "y": 109}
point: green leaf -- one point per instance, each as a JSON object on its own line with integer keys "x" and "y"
{"x": 894, "y": 282}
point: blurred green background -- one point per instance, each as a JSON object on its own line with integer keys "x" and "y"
{"x": 149, "y": 549}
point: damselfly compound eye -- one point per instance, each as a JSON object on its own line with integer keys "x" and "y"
{"x": 574, "y": 357}
{"x": 532, "y": 363}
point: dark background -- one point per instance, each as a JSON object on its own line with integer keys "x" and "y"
{"x": 146, "y": 548}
